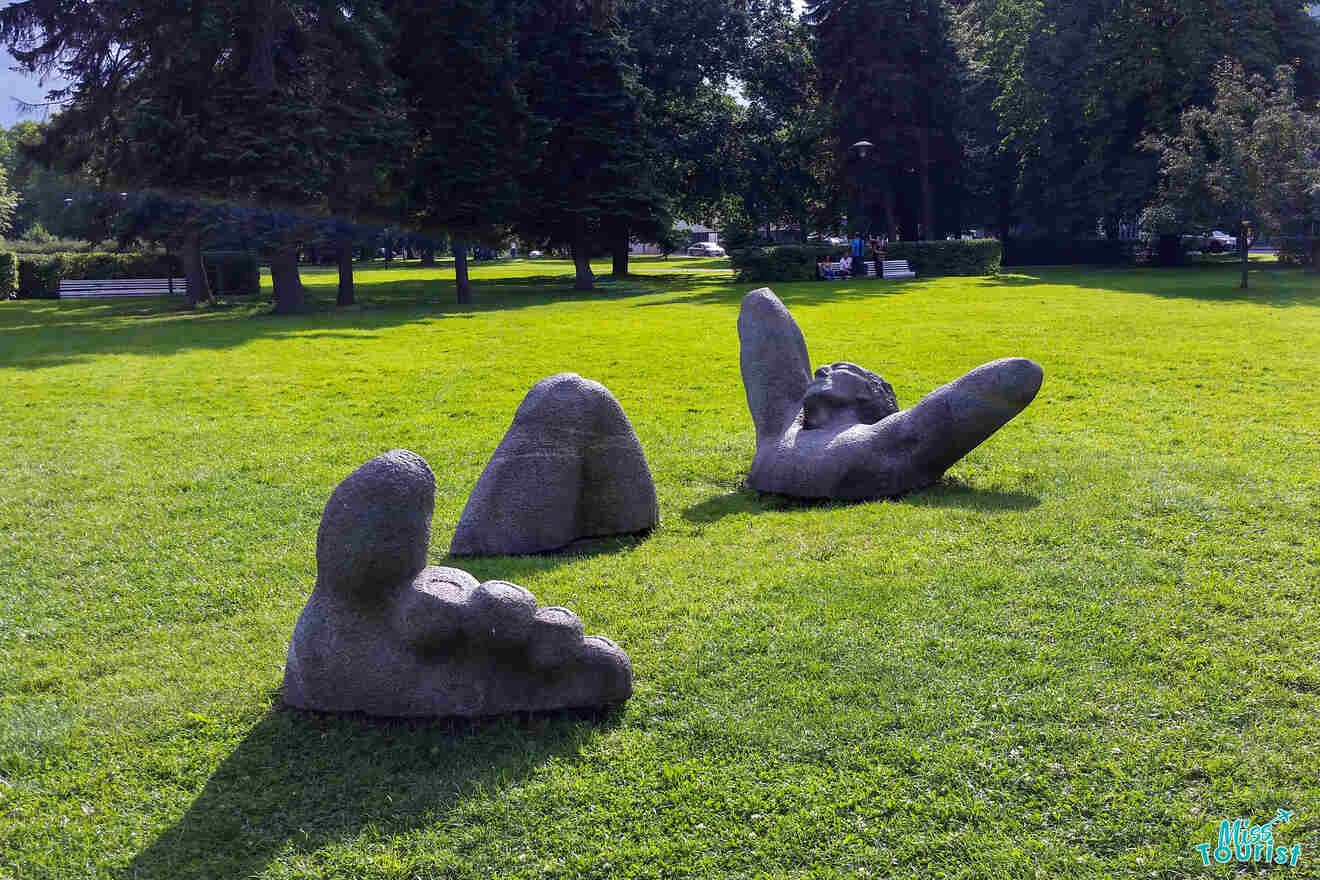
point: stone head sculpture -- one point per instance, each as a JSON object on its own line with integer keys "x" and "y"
{"x": 840, "y": 434}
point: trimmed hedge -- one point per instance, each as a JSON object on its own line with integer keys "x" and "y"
{"x": 978, "y": 256}
{"x": 39, "y": 276}
{"x": 8, "y": 275}
{"x": 788, "y": 262}
{"x": 1294, "y": 250}
{"x": 232, "y": 273}
{"x": 1045, "y": 251}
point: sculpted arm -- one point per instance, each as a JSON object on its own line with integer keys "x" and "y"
{"x": 773, "y": 357}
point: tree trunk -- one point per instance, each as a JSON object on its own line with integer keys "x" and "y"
{"x": 389, "y": 250}
{"x": 428, "y": 256}
{"x": 620, "y": 252}
{"x": 284, "y": 277}
{"x": 927, "y": 231}
{"x": 345, "y": 259}
{"x": 887, "y": 195}
{"x": 1315, "y": 254}
{"x": 261, "y": 60}
{"x": 584, "y": 280}
{"x": 194, "y": 271}
{"x": 462, "y": 284}
{"x": 1245, "y": 247}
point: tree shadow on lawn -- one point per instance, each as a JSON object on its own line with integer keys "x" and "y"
{"x": 1270, "y": 284}
{"x": 47, "y": 333}
{"x": 798, "y": 293}
{"x": 949, "y": 492}
{"x": 300, "y": 781}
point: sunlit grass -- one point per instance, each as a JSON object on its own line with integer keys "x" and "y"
{"x": 1097, "y": 639}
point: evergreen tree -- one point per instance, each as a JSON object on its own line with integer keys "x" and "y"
{"x": 235, "y": 100}
{"x": 587, "y": 141}
{"x": 889, "y": 72}
{"x": 468, "y": 121}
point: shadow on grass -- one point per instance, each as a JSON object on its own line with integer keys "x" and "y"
{"x": 301, "y": 781}
{"x": 795, "y": 293}
{"x": 946, "y": 493}
{"x": 1271, "y": 284}
{"x": 511, "y": 568}
{"x": 46, "y": 333}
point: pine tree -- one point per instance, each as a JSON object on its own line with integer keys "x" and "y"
{"x": 889, "y": 71}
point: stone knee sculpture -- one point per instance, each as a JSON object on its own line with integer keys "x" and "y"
{"x": 840, "y": 434}
{"x": 385, "y": 634}
{"x": 569, "y": 467}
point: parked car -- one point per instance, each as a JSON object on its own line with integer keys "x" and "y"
{"x": 531, "y": 255}
{"x": 1221, "y": 241}
{"x": 705, "y": 249}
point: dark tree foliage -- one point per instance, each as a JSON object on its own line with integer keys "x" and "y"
{"x": 241, "y": 100}
{"x": 467, "y": 117}
{"x": 1066, "y": 91}
{"x": 889, "y": 72}
{"x": 781, "y": 147}
{"x": 588, "y": 147}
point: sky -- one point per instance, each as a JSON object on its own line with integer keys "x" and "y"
{"x": 14, "y": 84}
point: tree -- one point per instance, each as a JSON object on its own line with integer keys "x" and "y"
{"x": 889, "y": 72}
{"x": 468, "y": 121}
{"x": 1254, "y": 155}
{"x": 587, "y": 137}
{"x": 1068, "y": 89}
{"x": 234, "y": 99}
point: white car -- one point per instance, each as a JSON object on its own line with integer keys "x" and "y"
{"x": 705, "y": 249}
{"x": 1222, "y": 241}
{"x": 531, "y": 255}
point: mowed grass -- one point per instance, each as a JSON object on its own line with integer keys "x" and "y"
{"x": 1095, "y": 640}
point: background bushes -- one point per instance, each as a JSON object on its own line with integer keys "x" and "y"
{"x": 1298, "y": 250}
{"x": 979, "y": 256}
{"x": 8, "y": 276}
{"x": 39, "y": 275}
{"x": 232, "y": 273}
{"x": 788, "y": 262}
{"x": 1047, "y": 251}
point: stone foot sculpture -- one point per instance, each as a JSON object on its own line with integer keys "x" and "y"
{"x": 386, "y": 635}
{"x": 569, "y": 467}
{"x": 840, "y": 434}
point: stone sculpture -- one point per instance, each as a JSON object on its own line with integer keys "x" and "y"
{"x": 840, "y": 434}
{"x": 385, "y": 634}
{"x": 570, "y": 467}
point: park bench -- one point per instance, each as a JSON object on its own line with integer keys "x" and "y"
{"x": 897, "y": 269}
{"x": 86, "y": 289}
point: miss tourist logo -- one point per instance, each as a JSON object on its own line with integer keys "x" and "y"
{"x": 1243, "y": 841}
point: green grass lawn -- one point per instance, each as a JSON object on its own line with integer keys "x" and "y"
{"x": 1098, "y": 638}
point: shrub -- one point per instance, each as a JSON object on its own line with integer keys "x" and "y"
{"x": 1294, "y": 250}
{"x": 39, "y": 276}
{"x": 8, "y": 275}
{"x": 232, "y": 273}
{"x": 1048, "y": 251}
{"x": 789, "y": 262}
{"x": 980, "y": 256}
{"x": 50, "y": 245}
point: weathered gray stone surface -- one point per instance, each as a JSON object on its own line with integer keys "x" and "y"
{"x": 385, "y": 634}
{"x": 841, "y": 435}
{"x": 569, "y": 467}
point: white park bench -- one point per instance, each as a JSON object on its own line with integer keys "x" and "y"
{"x": 897, "y": 269}
{"x": 87, "y": 289}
